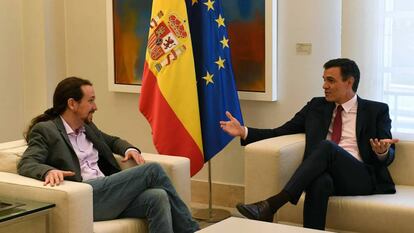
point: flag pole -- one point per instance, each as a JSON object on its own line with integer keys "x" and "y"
{"x": 211, "y": 214}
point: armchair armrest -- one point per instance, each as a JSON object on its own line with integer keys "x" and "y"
{"x": 176, "y": 167}
{"x": 270, "y": 163}
{"x": 73, "y": 212}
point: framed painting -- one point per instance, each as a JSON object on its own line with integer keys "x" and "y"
{"x": 127, "y": 24}
{"x": 252, "y": 28}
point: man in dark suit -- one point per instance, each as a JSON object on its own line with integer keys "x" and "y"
{"x": 348, "y": 147}
{"x": 63, "y": 143}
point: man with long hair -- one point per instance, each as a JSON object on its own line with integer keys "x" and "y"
{"x": 64, "y": 144}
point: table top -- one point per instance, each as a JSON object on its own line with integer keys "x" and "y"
{"x": 13, "y": 208}
{"x": 243, "y": 225}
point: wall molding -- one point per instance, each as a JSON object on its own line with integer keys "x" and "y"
{"x": 226, "y": 195}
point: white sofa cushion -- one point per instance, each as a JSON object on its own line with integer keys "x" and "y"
{"x": 124, "y": 225}
{"x": 392, "y": 212}
{"x": 8, "y": 162}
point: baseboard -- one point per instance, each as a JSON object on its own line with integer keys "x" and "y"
{"x": 227, "y": 195}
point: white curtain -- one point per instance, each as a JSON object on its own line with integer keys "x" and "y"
{"x": 379, "y": 36}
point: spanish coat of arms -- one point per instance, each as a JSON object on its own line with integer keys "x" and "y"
{"x": 165, "y": 39}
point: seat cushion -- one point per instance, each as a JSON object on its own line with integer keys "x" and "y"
{"x": 124, "y": 225}
{"x": 372, "y": 213}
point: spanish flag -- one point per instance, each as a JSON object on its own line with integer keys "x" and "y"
{"x": 169, "y": 98}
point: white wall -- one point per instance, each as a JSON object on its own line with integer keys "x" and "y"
{"x": 11, "y": 70}
{"x": 360, "y": 33}
{"x": 32, "y": 61}
{"x": 44, "y": 53}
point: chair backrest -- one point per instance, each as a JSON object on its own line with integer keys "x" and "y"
{"x": 10, "y": 153}
{"x": 402, "y": 169}
{"x": 17, "y": 146}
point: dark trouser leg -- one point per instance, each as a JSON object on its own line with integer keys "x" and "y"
{"x": 349, "y": 176}
{"x": 316, "y": 202}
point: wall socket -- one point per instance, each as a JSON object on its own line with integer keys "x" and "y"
{"x": 303, "y": 48}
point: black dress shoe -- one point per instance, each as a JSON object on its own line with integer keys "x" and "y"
{"x": 258, "y": 211}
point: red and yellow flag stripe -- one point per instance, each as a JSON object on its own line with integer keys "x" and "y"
{"x": 168, "y": 97}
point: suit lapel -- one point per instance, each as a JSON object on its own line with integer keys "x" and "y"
{"x": 98, "y": 144}
{"x": 91, "y": 135}
{"x": 327, "y": 117}
{"x": 361, "y": 114}
{"x": 361, "y": 119}
{"x": 59, "y": 124}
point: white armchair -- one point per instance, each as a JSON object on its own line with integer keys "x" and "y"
{"x": 74, "y": 208}
{"x": 270, "y": 163}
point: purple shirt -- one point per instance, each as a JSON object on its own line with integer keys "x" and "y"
{"x": 87, "y": 154}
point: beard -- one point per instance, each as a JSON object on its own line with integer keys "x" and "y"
{"x": 89, "y": 118}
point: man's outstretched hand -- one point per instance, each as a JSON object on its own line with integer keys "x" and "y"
{"x": 380, "y": 146}
{"x": 232, "y": 127}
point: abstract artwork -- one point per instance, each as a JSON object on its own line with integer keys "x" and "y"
{"x": 246, "y": 28}
{"x": 130, "y": 31}
{"x": 251, "y": 25}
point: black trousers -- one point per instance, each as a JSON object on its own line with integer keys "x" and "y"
{"x": 328, "y": 171}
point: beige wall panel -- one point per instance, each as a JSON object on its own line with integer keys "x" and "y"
{"x": 11, "y": 70}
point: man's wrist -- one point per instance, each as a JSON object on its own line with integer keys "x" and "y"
{"x": 244, "y": 133}
{"x": 132, "y": 149}
{"x": 382, "y": 156}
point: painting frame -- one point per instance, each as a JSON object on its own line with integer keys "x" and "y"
{"x": 270, "y": 92}
{"x": 112, "y": 85}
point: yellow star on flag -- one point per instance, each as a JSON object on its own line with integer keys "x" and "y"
{"x": 194, "y": 2}
{"x": 208, "y": 78}
{"x": 220, "y": 21}
{"x": 220, "y": 63}
{"x": 225, "y": 42}
{"x": 209, "y": 5}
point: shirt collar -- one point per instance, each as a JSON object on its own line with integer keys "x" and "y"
{"x": 69, "y": 130}
{"x": 347, "y": 106}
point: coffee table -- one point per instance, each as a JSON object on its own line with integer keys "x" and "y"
{"x": 19, "y": 216}
{"x": 243, "y": 225}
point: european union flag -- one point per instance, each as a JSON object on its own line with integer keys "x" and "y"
{"x": 215, "y": 80}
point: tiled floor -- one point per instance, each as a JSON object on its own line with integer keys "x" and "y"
{"x": 203, "y": 223}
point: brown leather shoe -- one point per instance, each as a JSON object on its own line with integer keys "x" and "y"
{"x": 258, "y": 211}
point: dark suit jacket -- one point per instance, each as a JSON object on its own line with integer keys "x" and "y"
{"x": 372, "y": 121}
{"x": 49, "y": 148}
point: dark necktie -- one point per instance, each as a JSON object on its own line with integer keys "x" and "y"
{"x": 337, "y": 125}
